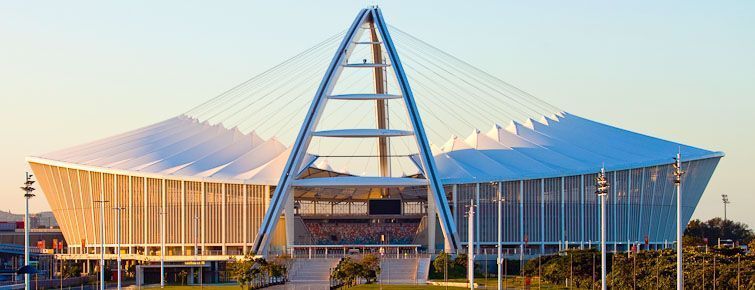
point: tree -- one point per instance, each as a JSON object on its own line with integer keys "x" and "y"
{"x": 241, "y": 270}
{"x": 441, "y": 262}
{"x": 370, "y": 268}
{"x": 716, "y": 228}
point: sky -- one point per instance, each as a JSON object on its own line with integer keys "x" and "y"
{"x": 75, "y": 71}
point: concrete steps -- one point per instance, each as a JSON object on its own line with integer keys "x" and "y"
{"x": 399, "y": 271}
{"x": 312, "y": 270}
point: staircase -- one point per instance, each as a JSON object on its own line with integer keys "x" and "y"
{"x": 312, "y": 270}
{"x": 399, "y": 271}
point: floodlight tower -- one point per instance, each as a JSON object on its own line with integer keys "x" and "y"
{"x": 602, "y": 191}
{"x": 27, "y": 188}
{"x": 725, "y": 199}
{"x": 678, "y": 182}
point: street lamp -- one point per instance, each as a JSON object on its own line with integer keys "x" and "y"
{"x": 102, "y": 242}
{"x": 470, "y": 244}
{"x": 118, "y": 242}
{"x": 27, "y": 188}
{"x": 162, "y": 248}
{"x": 500, "y": 199}
{"x": 602, "y": 192}
{"x": 678, "y": 182}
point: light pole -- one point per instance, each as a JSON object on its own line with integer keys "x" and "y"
{"x": 118, "y": 242}
{"x": 27, "y": 188}
{"x": 678, "y": 181}
{"x": 162, "y": 248}
{"x": 470, "y": 244}
{"x": 725, "y": 199}
{"x": 602, "y": 192}
{"x": 102, "y": 242}
{"x": 499, "y": 258}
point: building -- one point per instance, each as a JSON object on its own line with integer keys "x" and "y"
{"x": 200, "y": 184}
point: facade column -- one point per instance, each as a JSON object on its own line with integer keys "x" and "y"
{"x": 521, "y": 217}
{"x": 145, "y": 220}
{"x": 563, "y": 215}
{"x": 164, "y": 217}
{"x": 477, "y": 217}
{"x": 183, "y": 218}
{"x": 582, "y": 211}
{"x": 203, "y": 217}
{"x": 223, "y": 219}
{"x": 431, "y": 217}
{"x": 245, "y": 217}
{"x": 641, "y": 205}
{"x": 542, "y": 216}
{"x": 615, "y": 220}
{"x": 628, "y": 208}
{"x": 130, "y": 214}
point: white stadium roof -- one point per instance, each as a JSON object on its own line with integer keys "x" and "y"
{"x": 557, "y": 145}
{"x": 451, "y": 95}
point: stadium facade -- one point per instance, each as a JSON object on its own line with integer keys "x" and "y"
{"x": 213, "y": 186}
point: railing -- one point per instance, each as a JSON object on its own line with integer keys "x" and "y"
{"x": 340, "y": 251}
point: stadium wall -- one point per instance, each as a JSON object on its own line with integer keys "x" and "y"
{"x": 537, "y": 212}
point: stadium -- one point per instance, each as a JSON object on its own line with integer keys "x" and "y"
{"x": 358, "y": 144}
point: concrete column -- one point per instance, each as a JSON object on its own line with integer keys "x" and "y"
{"x": 245, "y": 218}
{"x": 288, "y": 213}
{"x": 477, "y": 217}
{"x": 203, "y": 217}
{"x": 223, "y": 219}
{"x": 431, "y": 217}
{"x": 183, "y": 218}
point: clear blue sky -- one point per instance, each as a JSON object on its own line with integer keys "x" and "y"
{"x": 74, "y": 71}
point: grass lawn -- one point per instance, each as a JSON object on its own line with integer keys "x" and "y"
{"x": 509, "y": 282}
{"x": 402, "y": 287}
{"x": 194, "y": 287}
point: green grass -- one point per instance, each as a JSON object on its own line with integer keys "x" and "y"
{"x": 401, "y": 287}
{"x": 195, "y": 287}
{"x": 509, "y": 282}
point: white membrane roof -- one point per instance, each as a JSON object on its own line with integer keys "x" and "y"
{"x": 561, "y": 144}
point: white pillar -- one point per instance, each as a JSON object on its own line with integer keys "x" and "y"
{"x": 288, "y": 213}
{"x": 26, "y": 243}
{"x": 470, "y": 243}
{"x": 603, "y": 242}
{"x": 679, "y": 229}
{"x": 431, "y": 217}
{"x": 118, "y": 244}
{"x": 499, "y": 260}
{"x": 477, "y": 217}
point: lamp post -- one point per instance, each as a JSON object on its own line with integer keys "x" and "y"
{"x": 678, "y": 182}
{"x": 27, "y": 188}
{"x": 499, "y": 258}
{"x": 162, "y": 248}
{"x": 118, "y": 242}
{"x": 102, "y": 242}
{"x": 602, "y": 192}
{"x": 470, "y": 244}
{"x": 725, "y": 199}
